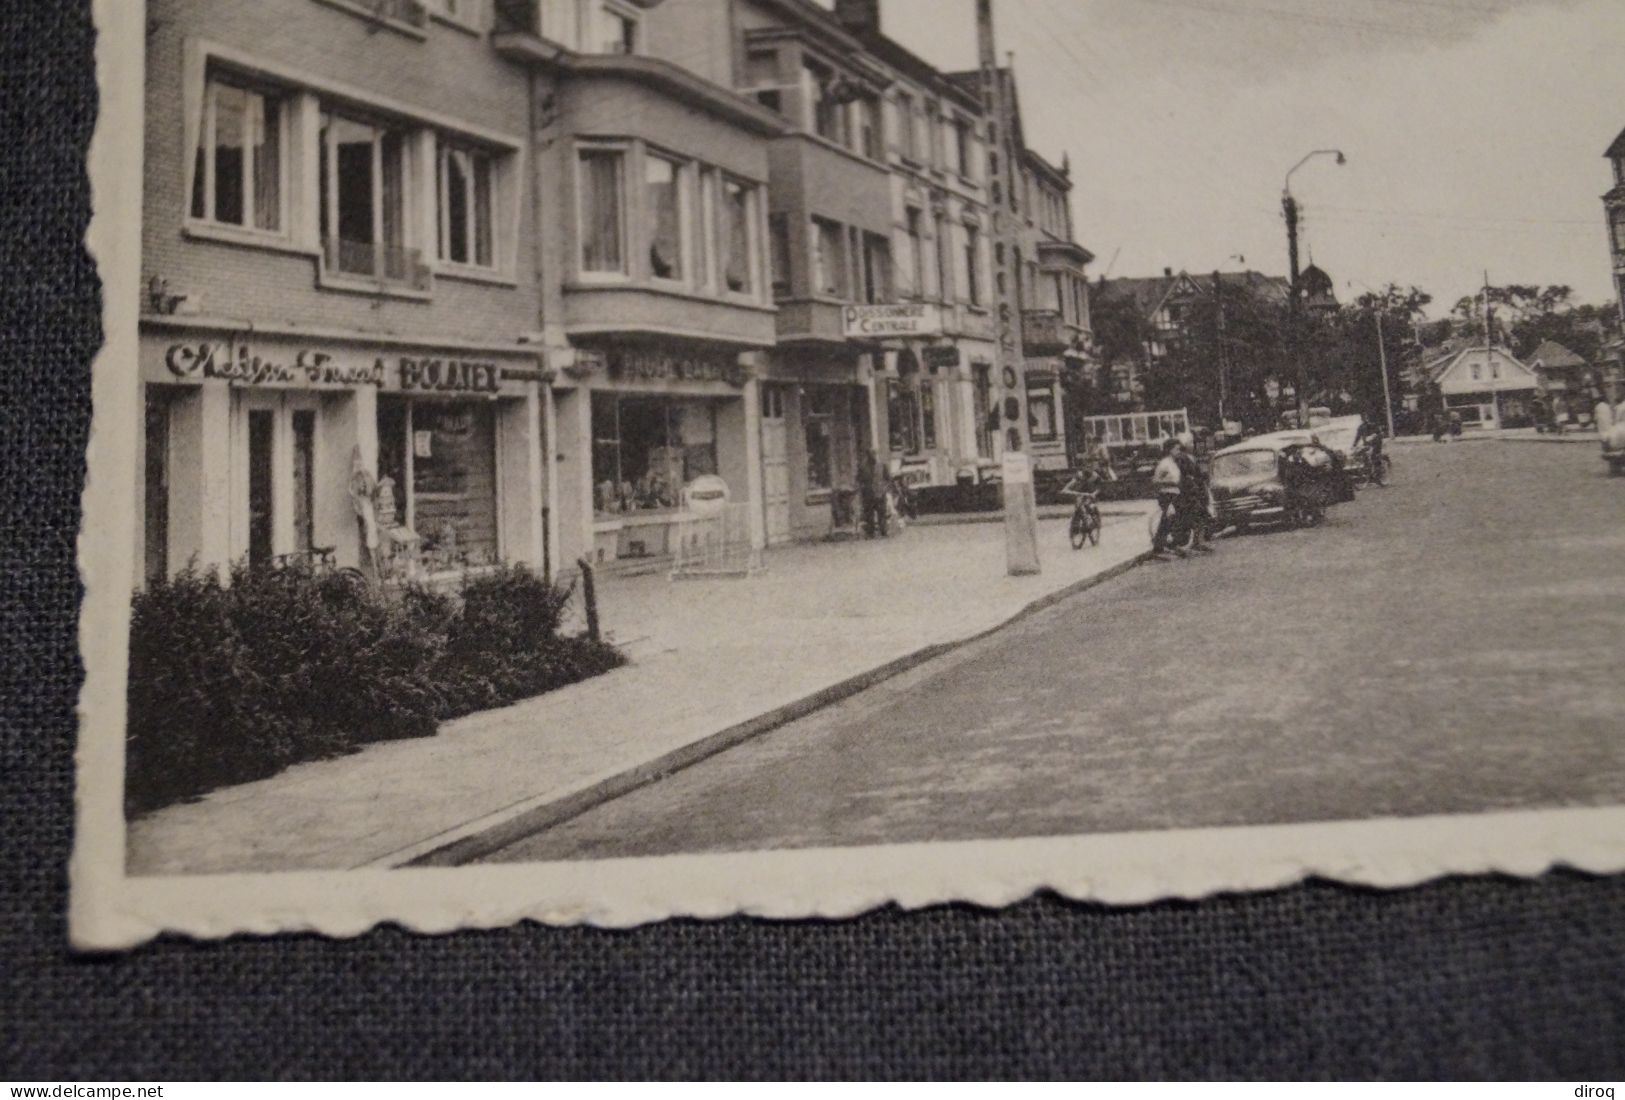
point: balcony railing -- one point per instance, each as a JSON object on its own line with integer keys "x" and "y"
{"x": 1044, "y": 332}
{"x": 384, "y": 263}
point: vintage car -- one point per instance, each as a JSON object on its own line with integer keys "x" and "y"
{"x": 1284, "y": 477}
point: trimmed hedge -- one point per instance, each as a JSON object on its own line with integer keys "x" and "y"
{"x": 232, "y": 683}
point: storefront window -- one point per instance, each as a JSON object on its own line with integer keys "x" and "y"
{"x": 1041, "y": 412}
{"x": 928, "y": 416}
{"x": 903, "y": 418}
{"x": 818, "y": 414}
{"x": 646, "y": 449}
{"x": 440, "y": 457}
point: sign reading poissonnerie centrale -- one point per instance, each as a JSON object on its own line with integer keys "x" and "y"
{"x": 881, "y": 322}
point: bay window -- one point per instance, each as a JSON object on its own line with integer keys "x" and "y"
{"x": 600, "y": 211}
{"x": 237, "y": 175}
{"x": 664, "y": 209}
{"x": 829, "y": 258}
{"x": 364, "y": 175}
{"x": 466, "y": 179}
{"x": 738, "y": 220}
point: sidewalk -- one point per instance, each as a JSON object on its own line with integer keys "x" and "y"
{"x": 713, "y": 662}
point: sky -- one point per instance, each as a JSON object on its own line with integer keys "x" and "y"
{"x": 1474, "y": 130}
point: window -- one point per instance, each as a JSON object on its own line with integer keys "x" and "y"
{"x": 973, "y": 263}
{"x": 467, "y": 233}
{"x": 905, "y": 124}
{"x": 615, "y": 30}
{"x": 261, "y": 506}
{"x": 237, "y": 173}
{"x": 870, "y": 140}
{"x": 928, "y": 416}
{"x": 953, "y": 151}
{"x": 933, "y": 153}
{"x": 155, "y": 538}
{"x": 902, "y": 418}
{"x": 877, "y": 281}
{"x": 778, "y": 231}
{"x": 646, "y": 449}
{"x": 818, "y": 413}
{"x": 916, "y": 253}
{"x": 440, "y": 457}
{"x": 601, "y": 215}
{"x": 982, "y": 406}
{"x": 963, "y": 138}
{"x": 1477, "y": 372}
{"x": 1053, "y": 295}
{"x": 738, "y": 218}
{"x": 1617, "y": 218}
{"x": 944, "y": 264}
{"x": 1041, "y": 412}
{"x": 663, "y": 206}
{"x": 762, "y": 75}
{"x": 364, "y": 199}
{"x": 1495, "y": 369}
{"x": 461, "y": 11}
{"x": 829, "y": 258}
{"x": 304, "y": 480}
{"x": 829, "y": 111}
{"x": 708, "y": 228}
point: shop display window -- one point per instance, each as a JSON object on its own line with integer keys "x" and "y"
{"x": 439, "y": 458}
{"x": 1041, "y": 413}
{"x": 818, "y": 415}
{"x": 647, "y": 449}
{"x": 902, "y": 414}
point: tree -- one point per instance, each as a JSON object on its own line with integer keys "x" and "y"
{"x": 1122, "y": 333}
{"x": 1525, "y": 316}
{"x": 1347, "y": 360}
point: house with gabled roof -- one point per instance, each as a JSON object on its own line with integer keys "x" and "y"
{"x": 1488, "y": 387}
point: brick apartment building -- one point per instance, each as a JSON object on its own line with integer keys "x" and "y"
{"x": 339, "y": 289}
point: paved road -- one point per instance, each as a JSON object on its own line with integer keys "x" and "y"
{"x": 1455, "y": 642}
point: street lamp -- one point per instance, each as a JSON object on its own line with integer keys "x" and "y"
{"x": 1290, "y": 206}
{"x": 1382, "y": 355}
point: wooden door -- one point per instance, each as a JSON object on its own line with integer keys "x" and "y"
{"x": 775, "y": 465}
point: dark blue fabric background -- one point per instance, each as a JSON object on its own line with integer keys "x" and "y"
{"x": 1482, "y": 978}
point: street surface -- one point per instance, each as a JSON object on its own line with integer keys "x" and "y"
{"x": 1452, "y": 643}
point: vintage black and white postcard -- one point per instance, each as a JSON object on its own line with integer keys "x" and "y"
{"x": 603, "y": 460}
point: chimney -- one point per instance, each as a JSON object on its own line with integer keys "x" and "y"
{"x": 986, "y": 56}
{"x": 1167, "y": 273}
{"x": 859, "y": 16}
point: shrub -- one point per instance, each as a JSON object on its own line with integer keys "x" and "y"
{"x": 233, "y": 683}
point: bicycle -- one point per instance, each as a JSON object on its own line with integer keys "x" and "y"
{"x": 321, "y": 563}
{"x": 1086, "y": 523}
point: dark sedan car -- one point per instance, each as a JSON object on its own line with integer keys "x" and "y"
{"x": 1285, "y": 477}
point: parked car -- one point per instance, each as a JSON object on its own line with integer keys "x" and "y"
{"x": 1283, "y": 477}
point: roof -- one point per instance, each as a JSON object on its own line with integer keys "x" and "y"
{"x": 1150, "y": 293}
{"x": 1270, "y": 441}
{"x": 1617, "y": 149}
{"x": 1437, "y": 368}
{"x": 1552, "y": 354}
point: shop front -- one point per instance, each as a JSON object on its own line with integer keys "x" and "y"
{"x": 644, "y": 424}
{"x": 266, "y": 449}
{"x": 815, "y": 426}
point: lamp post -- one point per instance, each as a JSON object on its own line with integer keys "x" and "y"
{"x": 1289, "y": 205}
{"x": 1382, "y": 356}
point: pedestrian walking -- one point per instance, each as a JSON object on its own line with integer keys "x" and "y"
{"x": 1165, "y": 480}
{"x": 1193, "y": 500}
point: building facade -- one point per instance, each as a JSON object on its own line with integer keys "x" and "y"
{"x": 337, "y": 336}
{"x": 657, "y": 308}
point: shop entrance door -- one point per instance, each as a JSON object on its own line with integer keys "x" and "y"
{"x": 775, "y": 465}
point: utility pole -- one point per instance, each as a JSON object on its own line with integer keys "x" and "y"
{"x": 1290, "y": 206}
{"x": 1387, "y": 397}
{"x": 1218, "y": 305}
{"x": 1489, "y": 354}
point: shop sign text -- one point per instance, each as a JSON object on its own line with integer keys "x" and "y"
{"x": 639, "y": 364}
{"x": 879, "y": 322}
{"x": 240, "y": 365}
{"x": 449, "y": 376}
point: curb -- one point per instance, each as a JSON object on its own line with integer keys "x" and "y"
{"x": 949, "y": 519}
{"x": 511, "y": 824}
